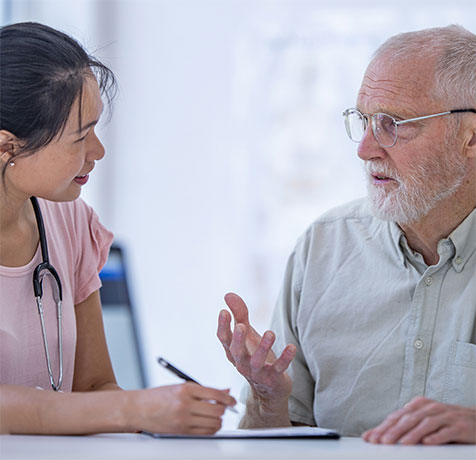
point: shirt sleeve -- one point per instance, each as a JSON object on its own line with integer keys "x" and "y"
{"x": 284, "y": 324}
{"x": 94, "y": 241}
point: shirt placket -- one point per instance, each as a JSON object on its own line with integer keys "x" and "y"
{"x": 423, "y": 313}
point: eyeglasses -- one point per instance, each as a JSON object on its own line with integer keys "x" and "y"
{"x": 384, "y": 127}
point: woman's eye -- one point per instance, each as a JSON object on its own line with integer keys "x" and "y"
{"x": 81, "y": 139}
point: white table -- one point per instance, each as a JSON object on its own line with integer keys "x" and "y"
{"x": 137, "y": 446}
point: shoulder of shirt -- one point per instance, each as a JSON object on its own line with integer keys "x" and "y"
{"x": 65, "y": 206}
{"x": 354, "y": 211}
{"x": 74, "y": 215}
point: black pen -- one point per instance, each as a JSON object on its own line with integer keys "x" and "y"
{"x": 164, "y": 363}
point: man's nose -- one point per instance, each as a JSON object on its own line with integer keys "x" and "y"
{"x": 369, "y": 148}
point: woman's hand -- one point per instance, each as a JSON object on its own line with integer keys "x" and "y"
{"x": 187, "y": 408}
{"x": 252, "y": 356}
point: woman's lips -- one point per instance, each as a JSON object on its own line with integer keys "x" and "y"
{"x": 81, "y": 180}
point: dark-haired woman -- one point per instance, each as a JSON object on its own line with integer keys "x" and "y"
{"x": 51, "y": 331}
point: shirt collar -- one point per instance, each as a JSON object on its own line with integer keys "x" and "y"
{"x": 400, "y": 242}
{"x": 462, "y": 239}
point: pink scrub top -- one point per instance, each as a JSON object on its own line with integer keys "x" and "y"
{"x": 78, "y": 247}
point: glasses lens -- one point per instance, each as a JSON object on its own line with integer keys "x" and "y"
{"x": 354, "y": 124}
{"x": 385, "y": 129}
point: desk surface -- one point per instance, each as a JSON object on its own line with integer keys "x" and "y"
{"x": 136, "y": 446}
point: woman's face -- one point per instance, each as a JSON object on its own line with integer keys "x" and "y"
{"x": 57, "y": 171}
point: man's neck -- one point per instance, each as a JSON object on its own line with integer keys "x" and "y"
{"x": 423, "y": 235}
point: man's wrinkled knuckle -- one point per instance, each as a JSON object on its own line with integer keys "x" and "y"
{"x": 235, "y": 351}
{"x": 410, "y": 419}
{"x": 255, "y": 363}
{"x": 418, "y": 400}
{"x": 427, "y": 422}
{"x": 241, "y": 368}
{"x": 393, "y": 416}
{"x": 461, "y": 426}
{"x": 433, "y": 408}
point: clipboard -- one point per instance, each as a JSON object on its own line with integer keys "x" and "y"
{"x": 293, "y": 432}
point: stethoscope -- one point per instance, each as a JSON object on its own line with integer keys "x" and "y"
{"x": 45, "y": 269}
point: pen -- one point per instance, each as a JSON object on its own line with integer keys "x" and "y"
{"x": 164, "y": 363}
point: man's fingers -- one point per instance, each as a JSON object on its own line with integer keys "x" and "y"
{"x": 406, "y": 424}
{"x": 224, "y": 333}
{"x": 238, "y": 348}
{"x": 426, "y": 427}
{"x": 238, "y": 308}
{"x": 442, "y": 436}
{"x": 282, "y": 363}
{"x": 258, "y": 359}
{"x": 415, "y": 419}
{"x": 426, "y": 421}
{"x": 366, "y": 435}
{"x": 375, "y": 434}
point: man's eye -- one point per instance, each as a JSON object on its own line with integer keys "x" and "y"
{"x": 81, "y": 139}
{"x": 408, "y": 131}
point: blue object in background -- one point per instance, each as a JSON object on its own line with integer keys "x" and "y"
{"x": 120, "y": 324}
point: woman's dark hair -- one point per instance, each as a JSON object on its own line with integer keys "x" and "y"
{"x": 42, "y": 73}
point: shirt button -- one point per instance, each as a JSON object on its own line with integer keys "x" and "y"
{"x": 418, "y": 344}
{"x": 428, "y": 281}
{"x": 459, "y": 260}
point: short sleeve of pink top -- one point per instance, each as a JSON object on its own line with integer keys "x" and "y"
{"x": 78, "y": 247}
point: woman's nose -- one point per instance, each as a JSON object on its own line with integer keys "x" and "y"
{"x": 96, "y": 149}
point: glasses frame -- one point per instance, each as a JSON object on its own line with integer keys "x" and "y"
{"x": 370, "y": 119}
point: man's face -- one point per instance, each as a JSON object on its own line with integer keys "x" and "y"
{"x": 425, "y": 165}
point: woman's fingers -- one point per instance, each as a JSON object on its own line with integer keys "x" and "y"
{"x": 207, "y": 394}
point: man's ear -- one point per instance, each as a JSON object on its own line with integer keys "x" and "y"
{"x": 8, "y": 146}
{"x": 471, "y": 146}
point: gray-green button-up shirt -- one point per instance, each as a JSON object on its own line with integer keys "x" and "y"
{"x": 374, "y": 325}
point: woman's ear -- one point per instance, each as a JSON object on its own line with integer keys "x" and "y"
{"x": 8, "y": 145}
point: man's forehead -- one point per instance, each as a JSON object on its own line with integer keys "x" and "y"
{"x": 405, "y": 83}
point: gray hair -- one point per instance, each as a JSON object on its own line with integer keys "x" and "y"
{"x": 454, "y": 50}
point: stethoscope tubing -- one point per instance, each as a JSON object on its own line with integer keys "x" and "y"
{"x": 45, "y": 264}
{"x": 42, "y": 270}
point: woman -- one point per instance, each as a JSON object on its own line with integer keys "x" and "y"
{"x": 50, "y": 103}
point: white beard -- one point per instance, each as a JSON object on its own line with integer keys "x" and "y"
{"x": 417, "y": 193}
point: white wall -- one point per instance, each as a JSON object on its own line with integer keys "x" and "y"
{"x": 226, "y": 142}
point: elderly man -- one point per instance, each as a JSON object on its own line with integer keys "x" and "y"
{"x": 378, "y": 306}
